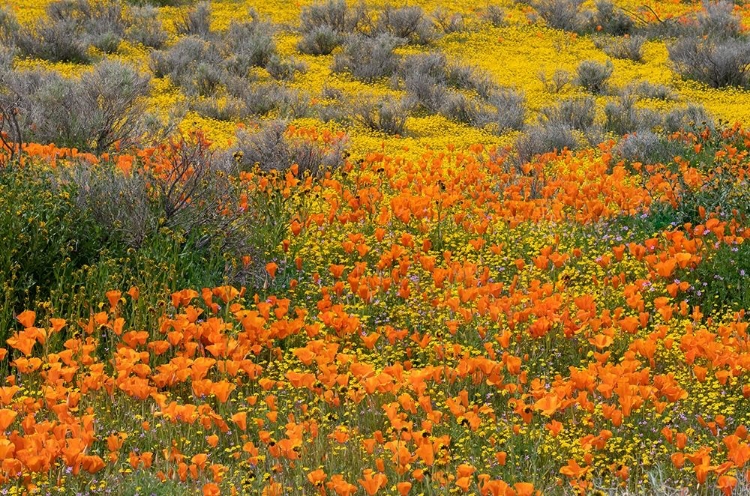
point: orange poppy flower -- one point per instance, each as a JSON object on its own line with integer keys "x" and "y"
{"x": 26, "y": 318}
{"x": 271, "y": 268}
{"x": 372, "y": 481}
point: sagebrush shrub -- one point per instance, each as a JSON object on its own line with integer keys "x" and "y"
{"x": 248, "y": 44}
{"x": 718, "y": 19}
{"x": 196, "y": 21}
{"x": 644, "y": 146}
{"x": 717, "y": 63}
{"x": 449, "y": 22}
{"x": 464, "y": 77}
{"x": 192, "y": 63}
{"x": 146, "y": 28}
{"x": 112, "y": 96}
{"x": 320, "y": 40}
{"x": 119, "y": 202}
{"x": 281, "y": 69}
{"x": 104, "y": 107}
{"x": 382, "y": 114}
{"x": 557, "y": 82}
{"x": 261, "y": 99}
{"x": 508, "y": 110}
{"x": 691, "y": 118}
{"x": 541, "y": 139}
{"x": 623, "y": 116}
{"x": 272, "y": 149}
{"x": 610, "y": 19}
{"x": 9, "y": 27}
{"x": 368, "y": 58}
{"x": 324, "y": 26}
{"x": 622, "y": 47}
{"x": 561, "y": 14}
{"x": 334, "y": 14}
{"x": 593, "y": 76}
{"x": 225, "y": 109}
{"x": 466, "y": 110}
{"x": 57, "y": 41}
{"x": 424, "y": 78}
{"x": 576, "y": 112}
{"x": 71, "y": 28}
{"x": 496, "y": 15}
{"x": 644, "y": 89}
{"x": 408, "y": 23}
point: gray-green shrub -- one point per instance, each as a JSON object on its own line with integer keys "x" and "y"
{"x": 621, "y": 47}
{"x": 408, "y": 23}
{"x": 715, "y": 62}
{"x": 541, "y": 139}
{"x": 593, "y": 76}
{"x": 146, "y": 28}
{"x": 271, "y": 149}
{"x": 576, "y": 112}
{"x": 105, "y": 106}
{"x": 368, "y": 58}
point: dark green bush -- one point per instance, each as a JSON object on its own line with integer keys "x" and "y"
{"x": 44, "y": 236}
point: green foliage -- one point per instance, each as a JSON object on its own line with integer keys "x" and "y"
{"x": 44, "y": 237}
{"x": 722, "y": 281}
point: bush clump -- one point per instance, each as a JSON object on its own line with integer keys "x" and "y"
{"x": 369, "y": 58}
{"x": 449, "y": 22}
{"x": 719, "y": 20}
{"x": 610, "y": 19}
{"x": 624, "y": 47}
{"x": 196, "y": 21}
{"x": 384, "y": 115}
{"x": 562, "y": 14}
{"x": 408, "y": 23}
{"x": 542, "y": 139}
{"x": 715, "y": 62}
{"x": 496, "y": 16}
{"x": 104, "y": 107}
{"x": 71, "y": 28}
{"x": 507, "y": 110}
{"x": 146, "y": 28}
{"x": 248, "y": 44}
{"x": 577, "y": 113}
{"x": 324, "y": 26}
{"x": 192, "y": 63}
{"x": 623, "y": 116}
{"x": 274, "y": 148}
{"x": 593, "y": 76}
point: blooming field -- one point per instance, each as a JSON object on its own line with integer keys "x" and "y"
{"x": 331, "y": 308}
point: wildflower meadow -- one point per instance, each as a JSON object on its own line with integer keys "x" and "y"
{"x": 339, "y": 248}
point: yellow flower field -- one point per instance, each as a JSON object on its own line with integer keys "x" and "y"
{"x": 287, "y": 304}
